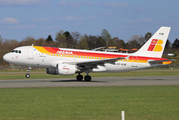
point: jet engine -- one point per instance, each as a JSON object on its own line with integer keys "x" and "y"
{"x": 52, "y": 71}
{"x": 62, "y": 69}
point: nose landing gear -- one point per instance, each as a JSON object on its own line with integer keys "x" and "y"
{"x": 28, "y": 73}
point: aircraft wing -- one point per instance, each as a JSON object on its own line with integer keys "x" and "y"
{"x": 95, "y": 63}
{"x": 101, "y": 61}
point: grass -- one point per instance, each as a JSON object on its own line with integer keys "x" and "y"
{"x": 90, "y": 103}
{"x": 20, "y": 75}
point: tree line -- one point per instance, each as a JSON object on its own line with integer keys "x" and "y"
{"x": 77, "y": 41}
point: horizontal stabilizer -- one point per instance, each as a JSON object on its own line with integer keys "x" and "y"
{"x": 158, "y": 61}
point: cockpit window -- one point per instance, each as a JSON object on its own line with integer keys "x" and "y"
{"x": 16, "y": 51}
{"x": 12, "y": 51}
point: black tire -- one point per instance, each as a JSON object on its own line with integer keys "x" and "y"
{"x": 87, "y": 78}
{"x": 27, "y": 75}
{"x": 79, "y": 77}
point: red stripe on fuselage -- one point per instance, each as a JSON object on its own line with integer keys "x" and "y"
{"x": 54, "y": 50}
{"x": 92, "y": 54}
{"x": 149, "y": 58}
{"x": 51, "y": 49}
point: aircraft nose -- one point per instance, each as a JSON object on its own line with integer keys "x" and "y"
{"x": 6, "y": 57}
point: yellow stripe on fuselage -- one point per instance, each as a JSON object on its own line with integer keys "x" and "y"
{"x": 41, "y": 49}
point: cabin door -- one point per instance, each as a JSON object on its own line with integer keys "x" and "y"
{"x": 134, "y": 61}
{"x": 31, "y": 53}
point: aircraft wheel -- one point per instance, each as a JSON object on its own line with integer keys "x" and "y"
{"x": 79, "y": 77}
{"x": 87, "y": 78}
{"x": 27, "y": 75}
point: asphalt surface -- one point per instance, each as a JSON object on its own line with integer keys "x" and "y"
{"x": 96, "y": 81}
{"x": 45, "y": 71}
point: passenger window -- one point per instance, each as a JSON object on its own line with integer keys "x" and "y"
{"x": 19, "y": 51}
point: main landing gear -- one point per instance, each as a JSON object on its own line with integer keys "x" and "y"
{"x": 28, "y": 73}
{"x": 80, "y": 77}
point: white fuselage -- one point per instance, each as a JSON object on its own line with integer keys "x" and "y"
{"x": 33, "y": 58}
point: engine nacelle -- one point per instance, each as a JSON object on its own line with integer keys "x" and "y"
{"x": 62, "y": 69}
{"x": 66, "y": 69}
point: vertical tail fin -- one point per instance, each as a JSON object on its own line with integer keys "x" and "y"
{"x": 155, "y": 45}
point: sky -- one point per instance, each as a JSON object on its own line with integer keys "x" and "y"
{"x": 121, "y": 18}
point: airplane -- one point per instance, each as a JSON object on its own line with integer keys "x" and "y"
{"x": 64, "y": 61}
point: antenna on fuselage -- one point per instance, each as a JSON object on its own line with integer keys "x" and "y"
{"x": 32, "y": 44}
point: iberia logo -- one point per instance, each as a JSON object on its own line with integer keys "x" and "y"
{"x": 156, "y": 45}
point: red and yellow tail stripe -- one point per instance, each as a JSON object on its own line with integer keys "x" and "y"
{"x": 156, "y": 45}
